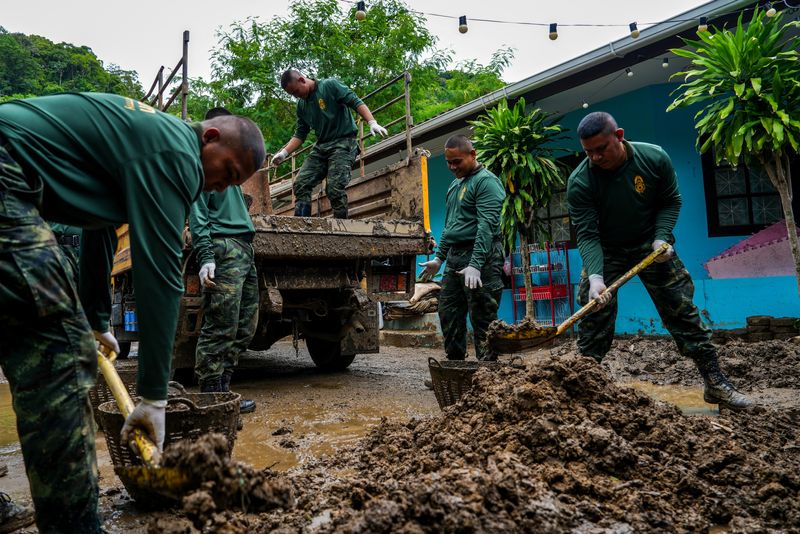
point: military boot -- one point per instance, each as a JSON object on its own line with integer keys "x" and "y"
{"x": 211, "y": 385}
{"x": 718, "y": 390}
{"x": 302, "y": 209}
{"x": 13, "y": 516}
{"x": 245, "y": 405}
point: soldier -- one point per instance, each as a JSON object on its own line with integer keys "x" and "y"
{"x": 222, "y": 236}
{"x": 471, "y": 246}
{"x": 95, "y": 161}
{"x": 624, "y": 202}
{"x": 69, "y": 239}
{"x": 324, "y": 105}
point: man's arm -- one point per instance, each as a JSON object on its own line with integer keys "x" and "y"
{"x": 669, "y": 201}
{"x": 96, "y": 260}
{"x": 488, "y": 203}
{"x": 585, "y": 217}
{"x": 200, "y": 227}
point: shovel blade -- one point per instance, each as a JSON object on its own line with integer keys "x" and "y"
{"x": 521, "y": 339}
{"x": 164, "y": 481}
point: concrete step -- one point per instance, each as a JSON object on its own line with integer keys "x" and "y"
{"x": 406, "y": 338}
{"x": 427, "y": 322}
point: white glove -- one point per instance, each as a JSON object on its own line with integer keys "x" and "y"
{"x": 472, "y": 277}
{"x": 377, "y": 129}
{"x": 148, "y": 417}
{"x": 597, "y": 291}
{"x": 278, "y": 158}
{"x": 431, "y": 268}
{"x": 664, "y": 256}
{"x": 207, "y": 274}
{"x": 107, "y": 340}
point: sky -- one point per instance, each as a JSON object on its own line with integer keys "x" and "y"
{"x": 144, "y": 39}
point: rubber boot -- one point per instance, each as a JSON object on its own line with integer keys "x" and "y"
{"x": 340, "y": 213}
{"x": 13, "y": 516}
{"x": 718, "y": 390}
{"x": 245, "y": 405}
{"x": 302, "y": 209}
{"x": 211, "y": 385}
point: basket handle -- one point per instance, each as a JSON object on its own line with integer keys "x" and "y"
{"x": 178, "y": 386}
{"x": 433, "y": 361}
{"x": 183, "y": 400}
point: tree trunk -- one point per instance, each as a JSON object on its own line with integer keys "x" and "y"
{"x": 780, "y": 177}
{"x": 525, "y": 257}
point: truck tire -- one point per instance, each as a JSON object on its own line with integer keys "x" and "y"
{"x": 327, "y": 355}
{"x": 124, "y": 350}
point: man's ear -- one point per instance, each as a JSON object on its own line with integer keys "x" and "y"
{"x": 210, "y": 134}
{"x": 620, "y": 133}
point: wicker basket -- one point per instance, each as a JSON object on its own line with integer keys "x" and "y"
{"x": 189, "y": 416}
{"x": 451, "y": 378}
{"x": 100, "y": 392}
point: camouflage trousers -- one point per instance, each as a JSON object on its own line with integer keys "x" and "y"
{"x": 671, "y": 289}
{"x": 47, "y": 353}
{"x": 71, "y": 254}
{"x": 456, "y": 301}
{"x": 230, "y": 309}
{"x": 333, "y": 159}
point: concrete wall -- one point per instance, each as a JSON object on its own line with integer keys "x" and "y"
{"x": 723, "y": 303}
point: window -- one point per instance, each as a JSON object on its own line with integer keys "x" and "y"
{"x": 741, "y": 200}
{"x": 556, "y": 215}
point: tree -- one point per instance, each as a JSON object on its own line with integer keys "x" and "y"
{"x": 519, "y": 147}
{"x": 748, "y": 81}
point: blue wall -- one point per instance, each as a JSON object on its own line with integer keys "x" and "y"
{"x": 723, "y": 303}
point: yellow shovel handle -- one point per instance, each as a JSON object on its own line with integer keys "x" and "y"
{"x": 147, "y": 449}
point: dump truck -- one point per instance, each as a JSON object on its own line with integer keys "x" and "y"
{"x": 320, "y": 279}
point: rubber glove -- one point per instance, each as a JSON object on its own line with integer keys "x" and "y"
{"x": 107, "y": 340}
{"x": 207, "y": 274}
{"x": 148, "y": 416}
{"x": 377, "y": 129}
{"x": 665, "y": 256}
{"x": 596, "y": 291}
{"x": 472, "y": 277}
{"x": 431, "y": 268}
{"x": 278, "y": 158}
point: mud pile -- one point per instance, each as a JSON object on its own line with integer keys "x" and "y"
{"x": 765, "y": 364}
{"x": 556, "y": 447}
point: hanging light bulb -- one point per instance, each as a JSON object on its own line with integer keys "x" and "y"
{"x": 628, "y": 71}
{"x": 585, "y": 104}
{"x": 634, "y": 30}
{"x": 771, "y": 11}
{"x": 665, "y": 63}
{"x": 703, "y": 26}
{"x": 553, "y": 31}
{"x": 462, "y": 24}
{"x": 361, "y": 11}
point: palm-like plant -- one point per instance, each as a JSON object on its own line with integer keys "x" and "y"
{"x": 518, "y": 147}
{"x": 749, "y": 82}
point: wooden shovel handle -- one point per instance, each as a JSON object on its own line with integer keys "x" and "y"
{"x": 583, "y": 312}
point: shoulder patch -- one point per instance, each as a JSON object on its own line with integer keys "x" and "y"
{"x": 321, "y": 103}
{"x": 638, "y": 184}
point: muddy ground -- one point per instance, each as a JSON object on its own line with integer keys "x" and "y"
{"x": 559, "y": 446}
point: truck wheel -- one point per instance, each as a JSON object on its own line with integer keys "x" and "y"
{"x": 124, "y": 350}
{"x": 327, "y": 355}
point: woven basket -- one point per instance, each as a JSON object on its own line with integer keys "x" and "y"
{"x": 189, "y": 416}
{"x": 100, "y": 392}
{"x": 451, "y": 378}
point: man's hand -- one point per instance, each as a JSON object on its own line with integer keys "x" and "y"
{"x": 107, "y": 340}
{"x": 148, "y": 417}
{"x": 664, "y": 256}
{"x": 472, "y": 277}
{"x": 278, "y": 158}
{"x": 431, "y": 268}
{"x": 377, "y": 129}
{"x": 597, "y": 291}
{"x": 207, "y": 274}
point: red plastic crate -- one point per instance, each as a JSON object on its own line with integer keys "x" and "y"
{"x": 557, "y": 291}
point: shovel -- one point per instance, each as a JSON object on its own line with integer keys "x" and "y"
{"x": 168, "y": 482}
{"x": 506, "y": 339}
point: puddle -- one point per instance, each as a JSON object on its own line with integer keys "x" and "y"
{"x": 688, "y": 399}
{"x": 8, "y": 421}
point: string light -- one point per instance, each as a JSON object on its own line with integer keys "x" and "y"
{"x": 553, "y": 31}
{"x": 361, "y": 11}
{"x": 703, "y": 26}
{"x": 665, "y": 63}
{"x": 634, "y": 30}
{"x": 462, "y": 24}
{"x": 628, "y": 71}
{"x": 585, "y": 105}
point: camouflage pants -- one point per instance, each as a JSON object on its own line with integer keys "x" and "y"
{"x": 230, "y": 309}
{"x": 47, "y": 352}
{"x": 671, "y": 289}
{"x": 456, "y": 301}
{"x": 333, "y": 159}
{"x": 71, "y": 253}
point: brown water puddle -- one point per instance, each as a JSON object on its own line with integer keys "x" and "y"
{"x": 688, "y": 399}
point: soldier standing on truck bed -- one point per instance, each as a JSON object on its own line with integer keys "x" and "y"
{"x": 324, "y": 105}
{"x": 222, "y": 236}
{"x": 95, "y": 161}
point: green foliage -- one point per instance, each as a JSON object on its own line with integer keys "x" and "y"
{"x": 748, "y": 82}
{"x": 519, "y": 146}
{"x": 33, "y": 65}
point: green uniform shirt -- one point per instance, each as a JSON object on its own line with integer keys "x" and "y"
{"x": 637, "y": 203}
{"x": 327, "y": 111}
{"x": 473, "y": 215}
{"x": 218, "y": 214}
{"x": 65, "y": 229}
{"x": 98, "y": 161}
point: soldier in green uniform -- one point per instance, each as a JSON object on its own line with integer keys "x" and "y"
{"x": 471, "y": 246}
{"x": 324, "y": 105}
{"x": 222, "y": 236}
{"x": 624, "y": 202}
{"x": 95, "y": 161}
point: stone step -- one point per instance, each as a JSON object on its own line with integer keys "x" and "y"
{"x": 408, "y": 338}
